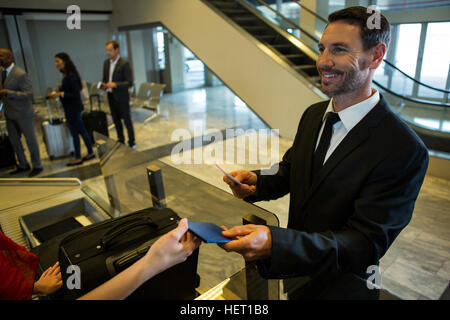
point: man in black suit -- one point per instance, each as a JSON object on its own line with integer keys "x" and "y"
{"x": 117, "y": 79}
{"x": 353, "y": 173}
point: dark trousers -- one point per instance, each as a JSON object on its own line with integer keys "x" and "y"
{"x": 77, "y": 128}
{"x": 25, "y": 126}
{"x": 121, "y": 110}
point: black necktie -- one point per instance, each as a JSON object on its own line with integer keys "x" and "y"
{"x": 322, "y": 148}
{"x": 3, "y": 78}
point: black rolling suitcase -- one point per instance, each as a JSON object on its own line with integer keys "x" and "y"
{"x": 7, "y": 157}
{"x": 104, "y": 249}
{"x": 95, "y": 121}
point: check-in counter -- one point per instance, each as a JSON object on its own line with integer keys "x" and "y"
{"x": 31, "y": 205}
{"x": 123, "y": 188}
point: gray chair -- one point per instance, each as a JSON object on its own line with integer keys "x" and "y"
{"x": 148, "y": 97}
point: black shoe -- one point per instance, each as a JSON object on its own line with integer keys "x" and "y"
{"x": 89, "y": 157}
{"x": 35, "y": 172}
{"x": 75, "y": 163}
{"x": 19, "y": 170}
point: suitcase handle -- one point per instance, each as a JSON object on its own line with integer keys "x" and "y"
{"x": 119, "y": 229}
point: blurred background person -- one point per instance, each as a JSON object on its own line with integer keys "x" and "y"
{"x": 117, "y": 79}
{"x": 16, "y": 93}
{"x": 69, "y": 94}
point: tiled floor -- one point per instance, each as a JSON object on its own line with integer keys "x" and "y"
{"x": 417, "y": 266}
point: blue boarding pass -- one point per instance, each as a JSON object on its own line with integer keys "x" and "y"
{"x": 208, "y": 232}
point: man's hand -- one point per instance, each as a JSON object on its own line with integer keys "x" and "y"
{"x": 50, "y": 281}
{"x": 110, "y": 85}
{"x": 254, "y": 241}
{"x": 172, "y": 248}
{"x": 246, "y": 177}
{"x": 3, "y": 92}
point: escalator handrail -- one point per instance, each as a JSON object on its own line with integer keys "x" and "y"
{"x": 295, "y": 26}
{"x": 415, "y": 80}
{"x": 389, "y": 63}
{"x": 419, "y": 101}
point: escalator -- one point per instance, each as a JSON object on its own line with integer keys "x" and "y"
{"x": 282, "y": 34}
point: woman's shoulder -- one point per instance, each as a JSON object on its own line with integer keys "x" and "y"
{"x": 72, "y": 78}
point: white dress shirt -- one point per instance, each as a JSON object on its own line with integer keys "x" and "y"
{"x": 112, "y": 66}
{"x": 349, "y": 118}
{"x": 8, "y": 70}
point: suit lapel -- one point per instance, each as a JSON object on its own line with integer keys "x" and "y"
{"x": 116, "y": 68}
{"x": 352, "y": 140}
{"x": 106, "y": 70}
{"x": 314, "y": 128}
{"x": 9, "y": 76}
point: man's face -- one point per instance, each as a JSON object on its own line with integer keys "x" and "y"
{"x": 342, "y": 64}
{"x": 5, "y": 59}
{"x": 111, "y": 52}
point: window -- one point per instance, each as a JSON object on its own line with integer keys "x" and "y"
{"x": 406, "y": 57}
{"x": 161, "y": 50}
{"x": 436, "y": 59}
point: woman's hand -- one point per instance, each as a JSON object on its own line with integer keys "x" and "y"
{"x": 172, "y": 248}
{"x": 50, "y": 281}
{"x": 54, "y": 95}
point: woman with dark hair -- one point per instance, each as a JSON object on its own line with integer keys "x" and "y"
{"x": 69, "y": 93}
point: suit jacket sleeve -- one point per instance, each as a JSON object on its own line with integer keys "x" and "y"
{"x": 271, "y": 187}
{"x": 24, "y": 91}
{"x": 105, "y": 71}
{"x": 127, "y": 80}
{"x": 384, "y": 207}
{"x": 71, "y": 88}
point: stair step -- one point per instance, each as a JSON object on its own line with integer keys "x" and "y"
{"x": 305, "y": 67}
{"x": 264, "y": 36}
{"x": 254, "y": 27}
{"x": 294, "y": 55}
{"x": 233, "y": 11}
{"x": 281, "y": 46}
{"x": 245, "y": 18}
{"x": 223, "y": 4}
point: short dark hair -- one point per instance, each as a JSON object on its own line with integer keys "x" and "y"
{"x": 359, "y": 16}
{"x": 114, "y": 43}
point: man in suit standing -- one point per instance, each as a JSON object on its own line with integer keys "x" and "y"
{"x": 117, "y": 79}
{"x": 353, "y": 173}
{"x": 16, "y": 93}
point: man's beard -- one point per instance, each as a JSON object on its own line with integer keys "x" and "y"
{"x": 351, "y": 81}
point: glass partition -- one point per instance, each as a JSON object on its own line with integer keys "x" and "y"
{"x": 124, "y": 187}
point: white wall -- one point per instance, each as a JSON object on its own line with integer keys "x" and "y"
{"x": 86, "y": 48}
{"x": 274, "y": 91}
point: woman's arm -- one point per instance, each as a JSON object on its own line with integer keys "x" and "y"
{"x": 169, "y": 250}
{"x": 71, "y": 87}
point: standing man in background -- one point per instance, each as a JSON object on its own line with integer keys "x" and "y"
{"x": 16, "y": 93}
{"x": 117, "y": 78}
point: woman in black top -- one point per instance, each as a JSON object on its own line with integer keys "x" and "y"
{"x": 69, "y": 93}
